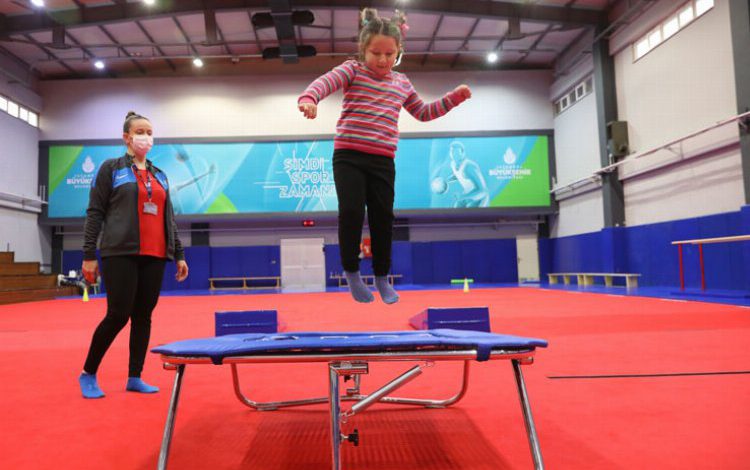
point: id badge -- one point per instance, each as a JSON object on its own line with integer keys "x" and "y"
{"x": 150, "y": 208}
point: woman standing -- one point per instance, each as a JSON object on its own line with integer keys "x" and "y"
{"x": 129, "y": 203}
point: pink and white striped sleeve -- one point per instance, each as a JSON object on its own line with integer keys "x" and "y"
{"x": 339, "y": 77}
{"x": 428, "y": 111}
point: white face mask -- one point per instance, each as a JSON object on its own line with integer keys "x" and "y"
{"x": 142, "y": 143}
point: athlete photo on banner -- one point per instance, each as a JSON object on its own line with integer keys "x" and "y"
{"x": 297, "y": 176}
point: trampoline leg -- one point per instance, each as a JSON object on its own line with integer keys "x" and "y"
{"x": 169, "y": 425}
{"x": 536, "y": 452}
{"x": 335, "y": 407}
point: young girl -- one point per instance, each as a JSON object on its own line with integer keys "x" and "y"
{"x": 366, "y": 141}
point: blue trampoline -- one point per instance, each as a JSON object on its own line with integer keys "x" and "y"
{"x": 348, "y": 354}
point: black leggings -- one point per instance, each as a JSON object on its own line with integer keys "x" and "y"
{"x": 364, "y": 180}
{"x": 133, "y": 285}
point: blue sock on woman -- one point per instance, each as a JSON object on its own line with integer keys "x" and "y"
{"x": 135, "y": 384}
{"x": 89, "y": 387}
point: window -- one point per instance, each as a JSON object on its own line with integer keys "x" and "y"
{"x": 12, "y": 109}
{"x": 641, "y": 48}
{"x": 17, "y": 111}
{"x": 580, "y": 91}
{"x": 573, "y": 96}
{"x": 702, "y": 6}
{"x": 670, "y": 27}
{"x": 686, "y": 14}
{"x": 654, "y": 38}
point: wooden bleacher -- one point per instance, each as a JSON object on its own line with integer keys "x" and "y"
{"x": 21, "y": 282}
{"x": 245, "y": 282}
{"x": 368, "y": 279}
{"x": 587, "y": 279}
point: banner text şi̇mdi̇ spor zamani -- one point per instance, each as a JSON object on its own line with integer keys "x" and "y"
{"x": 297, "y": 176}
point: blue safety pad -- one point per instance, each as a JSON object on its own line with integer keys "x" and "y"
{"x": 218, "y": 348}
{"x": 249, "y": 321}
{"x": 455, "y": 318}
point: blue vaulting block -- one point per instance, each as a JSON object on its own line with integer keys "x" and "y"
{"x": 458, "y": 318}
{"x": 249, "y": 321}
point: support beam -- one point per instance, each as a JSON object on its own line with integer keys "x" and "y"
{"x": 104, "y": 14}
{"x": 465, "y": 42}
{"x": 431, "y": 44}
{"x": 158, "y": 49}
{"x": 53, "y": 56}
{"x": 606, "y": 106}
{"x": 209, "y": 18}
{"x": 87, "y": 52}
{"x": 739, "y": 19}
{"x": 122, "y": 49}
{"x": 281, "y": 11}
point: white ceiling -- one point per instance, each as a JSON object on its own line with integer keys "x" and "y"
{"x": 138, "y": 40}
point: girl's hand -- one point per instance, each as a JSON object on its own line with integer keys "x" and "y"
{"x": 310, "y": 110}
{"x": 463, "y": 92}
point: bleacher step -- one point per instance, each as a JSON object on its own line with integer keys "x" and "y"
{"x": 31, "y": 295}
{"x": 16, "y": 269}
{"x": 38, "y": 281}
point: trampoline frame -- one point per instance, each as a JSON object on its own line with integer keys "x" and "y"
{"x": 355, "y": 364}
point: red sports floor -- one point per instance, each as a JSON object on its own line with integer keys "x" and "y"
{"x": 626, "y": 383}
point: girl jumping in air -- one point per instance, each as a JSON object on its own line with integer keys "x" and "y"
{"x": 366, "y": 141}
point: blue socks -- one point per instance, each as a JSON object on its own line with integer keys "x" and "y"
{"x": 387, "y": 293}
{"x": 357, "y": 287}
{"x": 361, "y": 293}
{"x": 89, "y": 387}
{"x": 135, "y": 384}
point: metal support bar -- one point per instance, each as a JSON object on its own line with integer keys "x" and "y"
{"x": 528, "y": 418}
{"x": 335, "y": 409}
{"x": 682, "y": 272}
{"x": 375, "y": 396}
{"x": 351, "y": 395}
{"x": 169, "y": 425}
{"x": 703, "y": 271}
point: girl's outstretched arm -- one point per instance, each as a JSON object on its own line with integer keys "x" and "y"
{"x": 429, "y": 111}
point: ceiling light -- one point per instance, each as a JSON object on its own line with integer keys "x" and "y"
{"x": 149, "y": 2}
{"x": 99, "y": 64}
{"x": 198, "y": 62}
{"x": 38, "y": 3}
{"x": 492, "y": 57}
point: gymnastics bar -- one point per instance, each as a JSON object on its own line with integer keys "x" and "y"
{"x": 700, "y": 242}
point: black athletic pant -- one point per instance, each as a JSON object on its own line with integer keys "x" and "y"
{"x": 364, "y": 180}
{"x": 133, "y": 284}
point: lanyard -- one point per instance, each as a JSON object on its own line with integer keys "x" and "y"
{"x": 146, "y": 183}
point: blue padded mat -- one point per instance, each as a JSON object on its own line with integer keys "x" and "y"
{"x": 258, "y": 344}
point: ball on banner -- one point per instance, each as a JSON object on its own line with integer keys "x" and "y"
{"x": 438, "y": 185}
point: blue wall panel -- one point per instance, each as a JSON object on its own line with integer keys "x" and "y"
{"x": 648, "y": 250}
{"x": 422, "y": 263}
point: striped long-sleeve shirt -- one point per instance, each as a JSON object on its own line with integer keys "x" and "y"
{"x": 369, "y": 118}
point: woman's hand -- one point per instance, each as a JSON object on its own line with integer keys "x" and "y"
{"x": 310, "y": 110}
{"x": 90, "y": 270}
{"x": 463, "y": 92}
{"x": 182, "y": 271}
